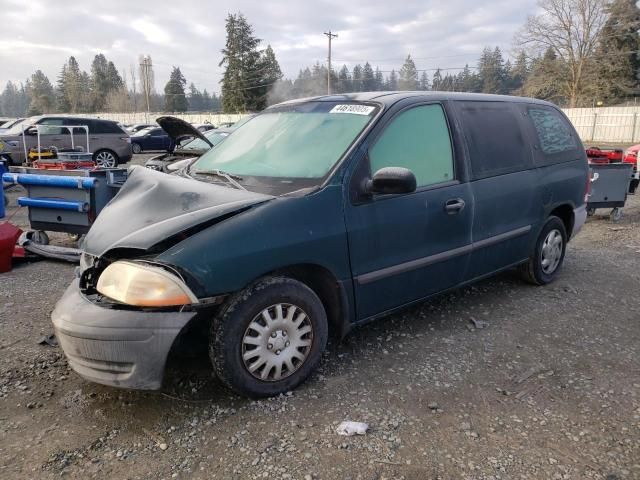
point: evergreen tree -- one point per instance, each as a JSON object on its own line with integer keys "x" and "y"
{"x": 271, "y": 73}
{"x": 114, "y": 80}
{"x": 408, "y": 75}
{"x": 546, "y": 77}
{"x": 344, "y": 81}
{"x": 491, "y": 71}
{"x": 616, "y": 69}
{"x": 175, "y": 96}
{"x": 424, "y": 82}
{"x": 196, "y": 99}
{"x": 99, "y": 82}
{"x": 242, "y": 61}
{"x": 356, "y": 79}
{"x": 62, "y": 104}
{"x": 519, "y": 73}
{"x": 379, "y": 80}
{"x": 14, "y": 100}
{"x": 393, "y": 81}
{"x": 42, "y": 97}
{"x": 436, "y": 81}
{"x": 74, "y": 86}
{"x": 448, "y": 83}
{"x": 368, "y": 78}
{"x": 84, "y": 103}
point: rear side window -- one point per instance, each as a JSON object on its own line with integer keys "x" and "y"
{"x": 555, "y": 135}
{"x": 417, "y": 139}
{"x": 103, "y": 126}
{"x": 496, "y": 142}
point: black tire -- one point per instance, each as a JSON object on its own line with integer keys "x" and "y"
{"x": 533, "y": 270}
{"x": 136, "y": 148}
{"x": 230, "y": 328}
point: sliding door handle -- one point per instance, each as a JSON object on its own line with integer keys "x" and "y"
{"x": 453, "y": 206}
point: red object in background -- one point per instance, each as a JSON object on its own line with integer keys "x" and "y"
{"x": 64, "y": 164}
{"x": 597, "y": 155}
{"x": 631, "y": 155}
{"x": 9, "y": 235}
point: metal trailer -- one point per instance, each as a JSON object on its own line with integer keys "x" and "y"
{"x": 69, "y": 128}
{"x": 65, "y": 200}
{"x": 609, "y": 187}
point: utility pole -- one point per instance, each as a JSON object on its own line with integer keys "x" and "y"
{"x": 145, "y": 67}
{"x": 330, "y": 36}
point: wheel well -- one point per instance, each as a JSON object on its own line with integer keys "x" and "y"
{"x": 106, "y": 150}
{"x": 328, "y": 289}
{"x": 565, "y": 213}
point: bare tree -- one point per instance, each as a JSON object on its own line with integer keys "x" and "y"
{"x": 570, "y": 28}
{"x": 147, "y": 78}
{"x": 118, "y": 101}
{"x": 134, "y": 87}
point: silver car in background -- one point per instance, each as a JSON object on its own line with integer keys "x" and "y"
{"x": 109, "y": 144}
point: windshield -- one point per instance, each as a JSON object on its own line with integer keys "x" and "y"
{"x": 17, "y": 128}
{"x": 297, "y": 141}
{"x": 198, "y": 144}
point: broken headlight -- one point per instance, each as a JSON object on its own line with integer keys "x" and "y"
{"x": 143, "y": 285}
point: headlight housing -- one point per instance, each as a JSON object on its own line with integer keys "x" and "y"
{"x": 143, "y": 285}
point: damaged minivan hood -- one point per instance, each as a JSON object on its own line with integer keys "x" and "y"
{"x": 153, "y": 206}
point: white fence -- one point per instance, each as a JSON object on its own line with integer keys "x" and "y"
{"x": 606, "y": 124}
{"x": 191, "y": 117}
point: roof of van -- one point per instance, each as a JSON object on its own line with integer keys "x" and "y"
{"x": 70, "y": 115}
{"x": 389, "y": 98}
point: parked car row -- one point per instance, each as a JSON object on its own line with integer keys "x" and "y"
{"x": 109, "y": 144}
{"x": 190, "y": 143}
{"x": 8, "y": 123}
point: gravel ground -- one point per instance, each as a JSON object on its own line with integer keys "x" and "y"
{"x": 499, "y": 380}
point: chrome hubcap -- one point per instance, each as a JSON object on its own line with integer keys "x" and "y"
{"x": 551, "y": 252}
{"x": 277, "y": 342}
{"x": 105, "y": 159}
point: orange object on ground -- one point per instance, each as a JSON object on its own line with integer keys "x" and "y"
{"x": 9, "y": 235}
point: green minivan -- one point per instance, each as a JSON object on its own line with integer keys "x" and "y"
{"x": 315, "y": 216}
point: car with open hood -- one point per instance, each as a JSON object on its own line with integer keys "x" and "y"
{"x": 318, "y": 215}
{"x": 189, "y": 141}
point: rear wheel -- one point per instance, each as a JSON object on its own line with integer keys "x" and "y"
{"x": 105, "y": 159}
{"x": 136, "y": 148}
{"x": 268, "y": 338}
{"x": 546, "y": 259}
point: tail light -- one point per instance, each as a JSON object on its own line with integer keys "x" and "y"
{"x": 126, "y": 139}
{"x": 587, "y": 190}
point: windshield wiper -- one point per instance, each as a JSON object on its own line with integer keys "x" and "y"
{"x": 229, "y": 177}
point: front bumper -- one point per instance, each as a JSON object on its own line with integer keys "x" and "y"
{"x": 121, "y": 348}
{"x": 579, "y": 217}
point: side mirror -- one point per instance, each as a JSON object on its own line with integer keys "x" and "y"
{"x": 31, "y": 131}
{"x": 392, "y": 180}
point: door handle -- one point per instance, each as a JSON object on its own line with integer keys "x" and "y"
{"x": 453, "y": 206}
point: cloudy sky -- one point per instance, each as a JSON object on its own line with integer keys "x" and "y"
{"x": 190, "y": 33}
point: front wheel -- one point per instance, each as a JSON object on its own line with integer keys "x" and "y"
{"x": 269, "y": 338}
{"x": 546, "y": 259}
{"x": 105, "y": 159}
{"x": 136, "y": 148}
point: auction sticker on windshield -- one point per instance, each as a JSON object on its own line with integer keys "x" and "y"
{"x": 352, "y": 108}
